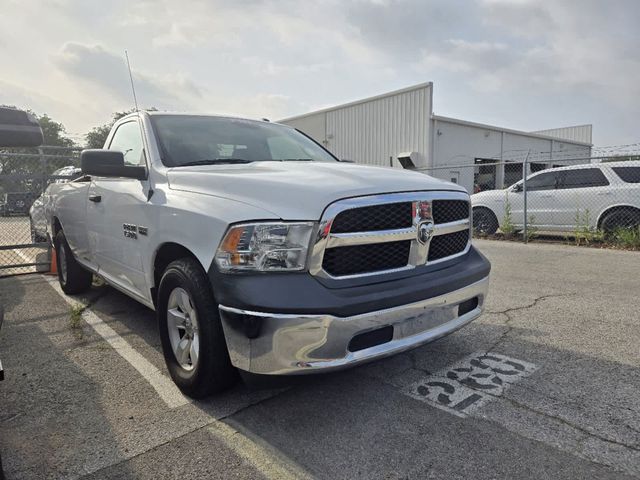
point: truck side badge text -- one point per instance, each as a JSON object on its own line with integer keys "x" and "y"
{"x": 132, "y": 231}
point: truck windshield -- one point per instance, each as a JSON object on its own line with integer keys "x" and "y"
{"x": 199, "y": 140}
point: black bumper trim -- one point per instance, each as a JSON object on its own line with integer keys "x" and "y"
{"x": 301, "y": 293}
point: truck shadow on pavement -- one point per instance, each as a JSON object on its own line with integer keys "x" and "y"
{"x": 52, "y": 421}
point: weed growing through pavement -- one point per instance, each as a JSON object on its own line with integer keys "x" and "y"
{"x": 584, "y": 233}
{"x": 506, "y": 226}
{"x": 75, "y": 320}
{"x": 627, "y": 237}
{"x": 532, "y": 230}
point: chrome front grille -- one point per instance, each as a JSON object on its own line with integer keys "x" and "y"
{"x": 386, "y": 233}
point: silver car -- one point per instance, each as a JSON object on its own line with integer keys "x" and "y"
{"x": 37, "y": 218}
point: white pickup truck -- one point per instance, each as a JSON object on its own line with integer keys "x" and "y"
{"x": 262, "y": 252}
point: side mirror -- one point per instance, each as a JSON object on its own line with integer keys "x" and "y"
{"x": 19, "y": 129}
{"x": 517, "y": 188}
{"x": 109, "y": 163}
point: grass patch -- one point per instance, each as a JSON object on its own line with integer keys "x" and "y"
{"x": 628, "y": 238}
{"x": 75, "y": 320}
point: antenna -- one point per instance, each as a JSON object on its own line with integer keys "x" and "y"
{"x": 133, "y": 88}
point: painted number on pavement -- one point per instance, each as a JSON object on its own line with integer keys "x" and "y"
{"x": 471, "y": 382}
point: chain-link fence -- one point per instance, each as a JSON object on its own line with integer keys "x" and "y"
{"x": 25, "y": 173}
{"x": 582, "y": 200}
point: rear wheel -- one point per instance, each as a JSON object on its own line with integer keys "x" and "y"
{"x": 484, "y": 221}
{"x": 620, "y": 218}
{"x": 72, "y": 276}
{"x": 193, "y": 342}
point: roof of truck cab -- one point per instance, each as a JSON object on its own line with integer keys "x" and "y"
{"x": 191, "y": 114}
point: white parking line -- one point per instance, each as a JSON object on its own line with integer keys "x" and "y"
{"x": 166, "y": 389}
{"x": 266, "y": 460}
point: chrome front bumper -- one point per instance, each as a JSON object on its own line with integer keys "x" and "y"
{"x": 289, "y": 344}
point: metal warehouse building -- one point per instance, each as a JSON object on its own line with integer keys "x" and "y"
{"x": 399, "y": 129}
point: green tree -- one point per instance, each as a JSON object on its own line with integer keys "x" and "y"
{"x": 54, "y": 132}
{"x": 26, "y": 163}
{"x": 622, "y": 158}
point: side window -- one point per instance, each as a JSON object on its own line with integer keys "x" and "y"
{"x": 628, "y": 174}
{"x": 583, "y": 178}
{"x": 128, "y": 140}
{"x": 282, "y": 148}
{"x": 544, "y": 181}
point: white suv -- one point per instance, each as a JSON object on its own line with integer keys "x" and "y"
{"x": 598, "y": 196}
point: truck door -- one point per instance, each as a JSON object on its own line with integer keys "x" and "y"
{"x": 117, "y": 219}
{"x": 71, "y": 203}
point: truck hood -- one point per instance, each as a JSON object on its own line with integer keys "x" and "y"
{"x": 298, "y": 190}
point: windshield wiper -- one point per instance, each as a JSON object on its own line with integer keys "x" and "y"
{"x": 214, "y": 161}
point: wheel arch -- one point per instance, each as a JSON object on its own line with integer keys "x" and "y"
{"x": 163, "y": 256}
{"x": 481, "y": 205}
{"x": 487, "y": 207}
{"x": 56, "y": 226}
{"x": 612, "y": 209}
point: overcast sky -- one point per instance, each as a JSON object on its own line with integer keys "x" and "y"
{"x": 520, "y": 64}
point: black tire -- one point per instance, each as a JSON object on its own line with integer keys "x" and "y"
{"x": 212, "y": 372}
{"x": 72, "y": 276}
{"x": 484, "y": 221}
{"x": 620, "y": 218}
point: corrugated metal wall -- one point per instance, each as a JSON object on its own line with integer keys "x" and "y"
{"x": 577, "y": 133}
{"x": 372, "y": 130}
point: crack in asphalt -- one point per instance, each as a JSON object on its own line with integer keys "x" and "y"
{"x": 575, "y": 401}
{"x": 568, "y": 423}
{"x": 508, "y": 311}
{"x": 254, "y": 404}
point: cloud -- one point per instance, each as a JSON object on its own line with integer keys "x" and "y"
{"x": 100, "y": 67}
{"x": 520, "y": 63}
{"x": 404, "y": 28}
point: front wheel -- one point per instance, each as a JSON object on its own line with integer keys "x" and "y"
{"x": 484, "y": 221}
{"x": 193, "y": 342}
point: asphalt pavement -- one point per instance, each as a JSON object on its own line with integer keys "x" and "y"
{"x": 544, "y": 385}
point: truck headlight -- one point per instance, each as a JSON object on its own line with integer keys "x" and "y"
{"x": 265, "y": 247}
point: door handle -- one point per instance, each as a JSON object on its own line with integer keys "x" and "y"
{"x": 602, "y": 194}
{"x": 95, "y": 198}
